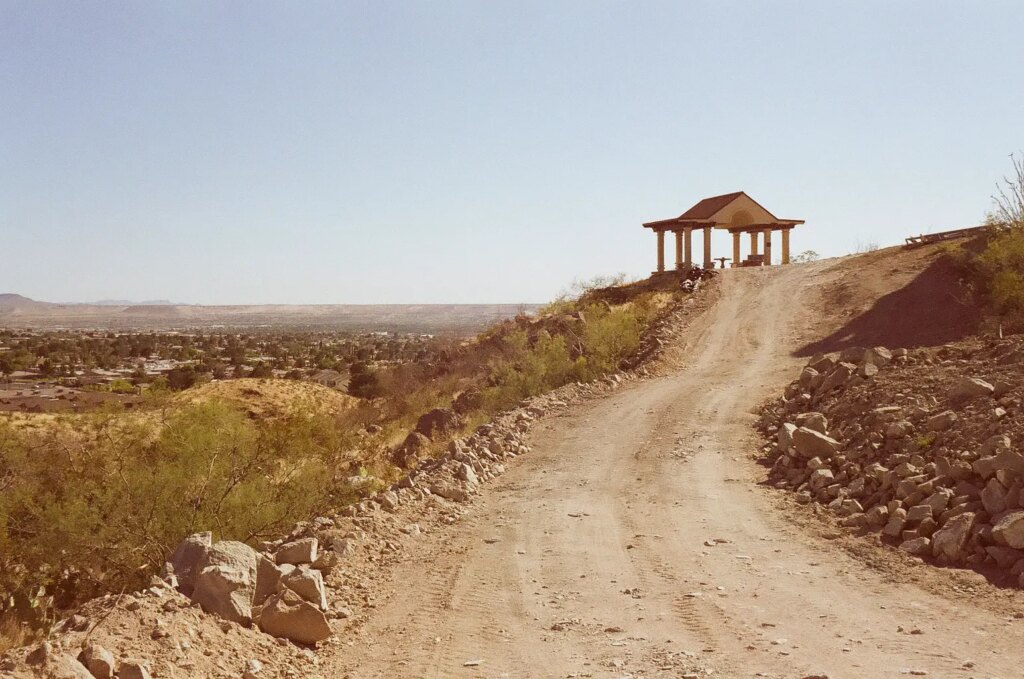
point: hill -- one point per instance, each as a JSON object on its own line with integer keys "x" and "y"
{"x": 270, "y": 398}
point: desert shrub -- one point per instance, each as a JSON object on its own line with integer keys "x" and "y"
{"x": 122, "y": 387}
{"x": 78, "y": 518}
{"x": 995, "y": 269}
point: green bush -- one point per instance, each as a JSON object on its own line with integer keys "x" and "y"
{"x": 80, "y": 518}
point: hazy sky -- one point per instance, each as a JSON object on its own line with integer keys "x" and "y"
{"x": 232, "y": 152}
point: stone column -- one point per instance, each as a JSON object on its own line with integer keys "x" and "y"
{"x": 707, "y": 247}
{"x": 767, "y": 247}
{"x": 661, "y": 250}
{"x": 679, "y": 250}
{"x": 689, "y": 246}
{"x": 753, "y": 242}
{"x": 735, "y": 248}
{"x": 785, "y": 246}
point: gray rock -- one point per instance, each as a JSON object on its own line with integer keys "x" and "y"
{"x": 919, "y": 513}
{"x": 1009, "y": 530}
{"x": 919, "y": 546}
{"x": 449, "y": 491}
{"x": 993, "y": 496}
{"x": 813, "y": 420}
{"x": 307, "y": 583}
{"x": 182, "y": 562}
{"x": 949, "y": 541}
{"x": 268, "y": 575}
{"x": 226, "y": 581}
{"x": 297, "y": 552}
{"x": 897, "y": 519}
{"x": 98, "y": 660}
{"x": 810, "y": 443}
{"x": 942, "y": 421}
{"x": 288, "y": 616}
{"x": 967, "y": 388}
{"x": 785, "y": 436}
{"x": 133, "y": 669}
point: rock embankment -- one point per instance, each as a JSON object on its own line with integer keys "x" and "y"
{"x": 223, "y": 608}
{"x": 918, "y": 446}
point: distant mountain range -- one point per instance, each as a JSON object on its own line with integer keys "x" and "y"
{"x": 128, "y": 302}
{"x": 18, "y": 311}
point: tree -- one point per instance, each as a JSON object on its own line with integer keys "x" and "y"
{"x": 182, "y": 377}
{"x": 807, "y": 256}
{"x": 363, "y": 381}
{"x": 1008, "y": 208}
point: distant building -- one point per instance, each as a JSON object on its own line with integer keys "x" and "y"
{"x": 332, "y": 379}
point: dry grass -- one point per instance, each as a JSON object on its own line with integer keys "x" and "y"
{"x": 268, "y": 398}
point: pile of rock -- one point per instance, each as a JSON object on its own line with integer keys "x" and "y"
{"x": 918, "y": 447}
{"x": 282, "y": 592}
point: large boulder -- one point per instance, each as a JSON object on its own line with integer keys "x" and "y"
{"x": 810, "y": 443}
{"x": 226, "y": 581}
{"x": 967, "y": 388}
{"x": 941, "y": 421}
{"x": 268, "y": 575}
{"x": 438, "y": 422}
{"x": 287, "y": 615}
{"x": 813, "y": 420}
{"x": 949, "y": 541}
{"x": 785, "y": 437}
{"x": 468, "y": 401}
{"x": 182, "y": 562}
{"x": 1009, "y": 530}
{"x": 307, "y": 583}
{"x": 98, "y": 660}
{"x": 298, "y": 552}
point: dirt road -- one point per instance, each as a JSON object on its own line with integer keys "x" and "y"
{"x": 635, "y": 541}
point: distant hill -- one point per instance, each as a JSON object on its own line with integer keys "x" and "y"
{"x": 17, "y": 311}
{"x": 128, "y": 302}
{"x": 12, "y": 303}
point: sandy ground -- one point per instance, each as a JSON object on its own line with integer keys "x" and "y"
{"x": 635, "y": 540}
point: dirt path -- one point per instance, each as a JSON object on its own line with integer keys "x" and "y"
{"x": 635, "y": 541}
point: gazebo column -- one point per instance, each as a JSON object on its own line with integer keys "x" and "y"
{"x": 679, "y": 250}
{"x": 767, "y": 247}
{"x": 688, "y": 242}
{"x": 785, "y": 246}
{"x": 661, "y": 250}
{"x": 707, "y": 247}
{"x": 753, "y": 243}
{"x": 735, "y": 248}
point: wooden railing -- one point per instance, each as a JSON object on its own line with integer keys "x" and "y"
{"x": 926, "y": 238}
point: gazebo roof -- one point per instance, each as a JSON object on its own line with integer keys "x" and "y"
{"x": 729, "y": 210}
{"x": 707, "y": 208}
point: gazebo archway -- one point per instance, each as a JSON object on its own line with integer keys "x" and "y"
{"x": 737, "y": 213}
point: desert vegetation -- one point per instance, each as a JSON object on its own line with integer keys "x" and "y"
{"x": 94, "y": 502}
{"x": 994, "y": 267}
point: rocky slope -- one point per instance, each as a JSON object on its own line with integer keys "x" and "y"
{"x": 919, "y": 447}
{"x": 224, "y": 609}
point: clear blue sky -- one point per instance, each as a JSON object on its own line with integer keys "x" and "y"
{"x": 234, "y": 152}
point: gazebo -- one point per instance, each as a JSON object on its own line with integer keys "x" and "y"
{"x": 736, "y": 212}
